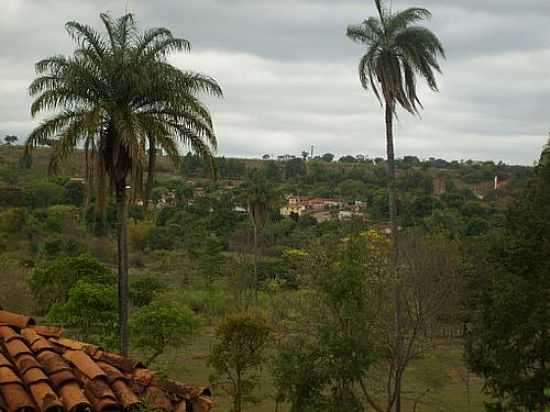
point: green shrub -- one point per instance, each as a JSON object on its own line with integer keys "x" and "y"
{"x": 143, "y": 290}
{"x": 92, "y": 307}
{"x": 74, "y": 193}
{"x": 43, "y": 193}
{"x": 138, "y": 235}
{"x": 211, "y": 302}
{"x": 238, "y": 354}
{"x": 13, "y": 220}
{"x": 59, "y": 216}
{"x": 59, "y": 246}
{"x": 161, "y": 324}
{"x": 50, "y": 283}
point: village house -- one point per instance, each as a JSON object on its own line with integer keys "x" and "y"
{"x": 318, "y": 207}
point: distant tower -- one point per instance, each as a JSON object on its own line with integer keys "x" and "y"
{"x": 312, "y": 151}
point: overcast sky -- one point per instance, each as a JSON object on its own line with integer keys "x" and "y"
{"x": 289, "y": 73}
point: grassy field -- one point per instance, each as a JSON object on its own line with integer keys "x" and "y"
{"x": 442, "y": 371}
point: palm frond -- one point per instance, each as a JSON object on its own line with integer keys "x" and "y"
{"x": 86, "y": 36}
{"x": 398, "y": 53}
{"x": 109, "y": 25}
{"x": 405, "y": 18}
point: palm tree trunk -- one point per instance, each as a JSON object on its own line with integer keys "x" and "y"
{"x": 101, "y": 200}
{"x": 253, "y": 219}
{"x": 394, "y": 248}
{"x": 122, "y": 238}
{"x": 255, "y": 263}
{"x": 150, "y": 172}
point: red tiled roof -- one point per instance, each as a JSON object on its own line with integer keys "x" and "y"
{"x": 41, "y": 371}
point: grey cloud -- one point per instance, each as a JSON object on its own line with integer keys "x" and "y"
{"x": 289, "y": 72}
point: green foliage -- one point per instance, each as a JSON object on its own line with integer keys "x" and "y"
{"x": 60, "y": 246}
{"x": 352, "y": 189}
{"x": 44, "y": 193}
{"x": 51, "y": 283}
{"x": 74, "y": 193}
{"x": 139, "y": 236}
{"x": 272, "y": 171}
{"x": 508, "y": 341}
{"x": 136, "y": 212}
{"x": 13, "y": 220}
{"x": 333, "y": 328}
{"x": 211, "y": 302}
{"x": 143, "y": 290}
{"x": 91, "y": 307}
{"x": 327, "y": 157}
{"x": 238, "y": 354}
{"x": 447, "y": 221}
{"x": 161, "y": 324}
{"x": 295, "y": 168}
{"x": 10, "y": 139}
{"x": 59, "y": 216}
{"x": 211, "y": 259}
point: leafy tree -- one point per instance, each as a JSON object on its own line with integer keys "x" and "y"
{"x": 139, "y": 236}
{"x": 143, "y": 290}
{"x": 50, "y": 283}
{"x": 476, "y": 226}
{"x": 272, "y": 171}
{"x": 329, "y": 351}
{"x": 305, "y": 155}
{"x": 508, "y": 340}
{"x": 10, "y": 139}
{"x": 295, "y": 168}
{"x": 60, "y": 246}
{"x": 74, "y": 193}
{"x": 12, "y": 220}
{"x": 327, "y": 157}
{"x": 60, "y": 217}
{"x": 117, "y": 90}
{"x": 238, "y": 354}
{"x": 266, "y": 157}
{"x": 162, "y": 324}
{"x": 211, "y": 259}
{"x": 411, "y": 160}
{"x": 398, "y": 51}
{"x": 347, "y": 159}
{"x": 136, "y": 213}
{"x": 448, "y": 221}
{"x": 352, "y": 189}
{"x": 92, "y": 308}
{"x": 43, "y": 193}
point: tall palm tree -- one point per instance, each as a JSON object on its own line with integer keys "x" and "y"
{"x": 398, "y": 52}
{"x": 118, "y": 88}
{"x": 260, "y": 197}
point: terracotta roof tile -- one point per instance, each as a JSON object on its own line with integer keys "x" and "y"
{"x": 84, "y": 364}
{"x": 48, "y": 331}
{"x": 16, "y": 320}
{"x": 40, "y": 371}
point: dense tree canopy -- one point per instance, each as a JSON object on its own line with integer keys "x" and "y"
{"x": 508, "y": 340}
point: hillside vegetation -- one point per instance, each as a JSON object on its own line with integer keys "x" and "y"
{"x": 193, "y": 261}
